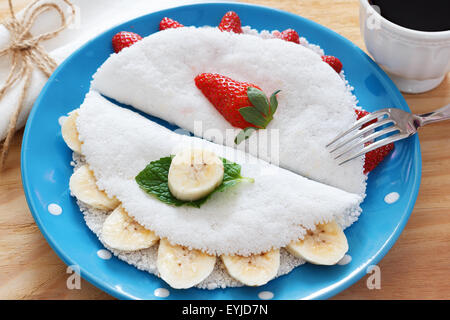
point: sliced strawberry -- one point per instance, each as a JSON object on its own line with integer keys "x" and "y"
{"x": 231, "y": 22}
{"x": 124, "y": 39}
{"x": 334, "y": 62}
{"x": 374, "y": 157}
{"x": 288, "y": 35}
{"x": 167, "y": 23}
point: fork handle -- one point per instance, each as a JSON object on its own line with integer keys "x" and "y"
{"x": 435, "y": 116}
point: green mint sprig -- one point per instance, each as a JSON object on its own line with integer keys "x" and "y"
{"x": 154, "y": 180}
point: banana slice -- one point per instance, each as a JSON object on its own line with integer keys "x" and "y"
{"x": 182, "y": 268}
{"x": 194, "y": 174}
{"x": 83, "y": 186}
{"x": 255, "y": 270}
{"x": 121, "y": 232}
{"x": 70, "y": 133}
{"x": 326, "y": 245}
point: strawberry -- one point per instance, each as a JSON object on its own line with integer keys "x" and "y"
{"x": 124, "y": 39}
{"x": 363, "y": 113}
{"x": 167, "y": 23}
{"x": 288, "y": 35}
{"x": 242, "y": 104}
{"x": 374, "y": 157}
{"x": 231, "y": 22}
{"x": 227, "y": 96}
{"x": 333, "y": 62}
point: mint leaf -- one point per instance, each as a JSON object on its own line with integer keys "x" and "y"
{"x": 244, "y": 135}
{"x": 258, "y": 100}
{"x": 154, "y": 180}
{"x": 232, "y": 171}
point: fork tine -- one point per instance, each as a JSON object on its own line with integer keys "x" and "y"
{"x": 377, "y": 144}
{"x": 363, "y": 131}
{"x": 370, "y": 137}
{"x": 359, "y": 123}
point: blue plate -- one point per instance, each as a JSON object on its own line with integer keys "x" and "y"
{"x": 46, "y": 166}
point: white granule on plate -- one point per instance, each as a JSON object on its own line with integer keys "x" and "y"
{"x": 315, "y": 102}
{"x": 251, "y": 217}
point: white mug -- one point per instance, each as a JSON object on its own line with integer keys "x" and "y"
{"x": 417, "y": 61}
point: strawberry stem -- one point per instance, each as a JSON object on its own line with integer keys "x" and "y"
{"x": 260, "y": 114}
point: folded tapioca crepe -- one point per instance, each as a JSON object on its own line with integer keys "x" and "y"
{"x": 157, "y": 75}
{"x": 251, "y": 217}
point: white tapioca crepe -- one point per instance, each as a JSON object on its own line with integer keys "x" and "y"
{"x": 248, "y": 218}
{"x": 157, "y": 75}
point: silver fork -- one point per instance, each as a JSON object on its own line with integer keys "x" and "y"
{"x": 394, "y": 120}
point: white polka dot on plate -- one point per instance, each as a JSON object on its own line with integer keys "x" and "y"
{"x": 391, "y": 197}
{"x": 345, "y": 260}
{"x": 265, "y": 295}
{"x": 61, "y": 120}
{"x": 104, "y": 254}
{"x": 161, "y": 293}
{"x": 54, "y": 209}
{"x": 182, "y": 132}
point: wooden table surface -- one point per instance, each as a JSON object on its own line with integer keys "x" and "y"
{"x": 417, "y": 267}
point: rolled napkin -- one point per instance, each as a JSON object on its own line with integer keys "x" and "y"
{"x": 90, "y": 18}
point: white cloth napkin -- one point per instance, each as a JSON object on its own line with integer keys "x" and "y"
{"x": 93, "y": 17}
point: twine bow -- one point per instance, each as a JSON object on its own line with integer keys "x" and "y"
{"x": 27, "y": 54}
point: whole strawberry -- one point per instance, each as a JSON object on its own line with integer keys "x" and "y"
{"x": 242, "y": 104}
{"x": 227, "y": 96}
{"x": 288, "y": 35}
{"x": 363, "y": 113}
{"x": 167, "y": 23}
{"x": 374, "y": 157}
{"x": 333, "y": 62}
{"x": 124, "y": 39}
{"x": 231, "y": 22}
